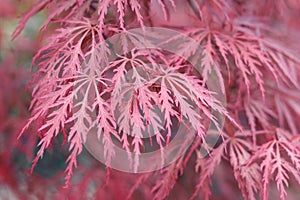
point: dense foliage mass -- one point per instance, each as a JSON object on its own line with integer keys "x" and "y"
{"x": 84, "y": 84}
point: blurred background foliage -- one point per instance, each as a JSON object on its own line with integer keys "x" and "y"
{"x": 15, "y": 60}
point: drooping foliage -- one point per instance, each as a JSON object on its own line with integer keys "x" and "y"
{"x": 83, "y": 82}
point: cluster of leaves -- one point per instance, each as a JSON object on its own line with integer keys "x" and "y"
{"x": 77, "y": 87}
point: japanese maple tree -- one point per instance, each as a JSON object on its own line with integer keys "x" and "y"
{"x": 133, "y": 76}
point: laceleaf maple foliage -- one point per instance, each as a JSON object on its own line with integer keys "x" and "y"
{"x": 78, "y": 87}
